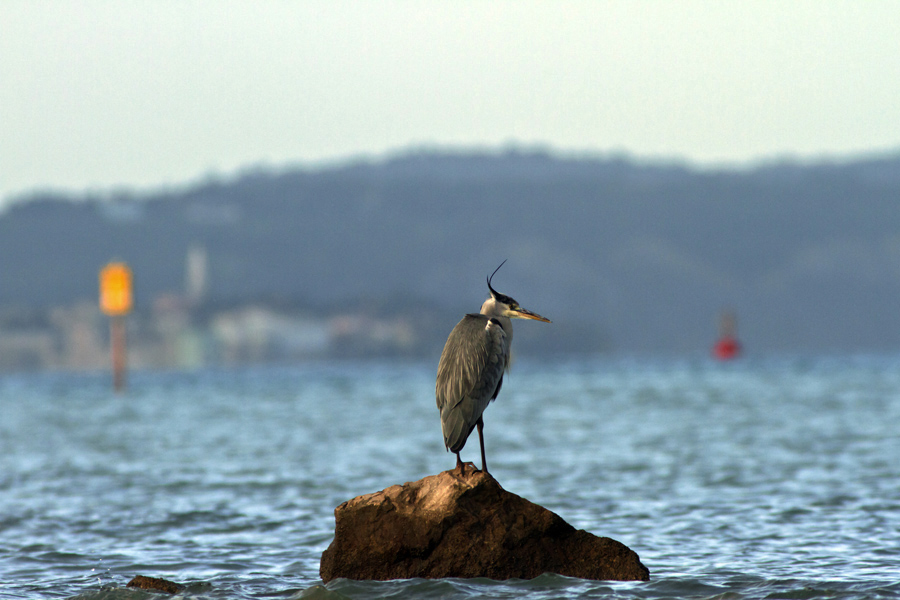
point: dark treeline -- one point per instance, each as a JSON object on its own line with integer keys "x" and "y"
{"x": 622, "y": 255}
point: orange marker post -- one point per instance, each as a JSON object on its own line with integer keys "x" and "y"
{"x": 116, "y": 302}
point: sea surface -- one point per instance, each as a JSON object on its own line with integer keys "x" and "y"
{"x": 761, "y": 478}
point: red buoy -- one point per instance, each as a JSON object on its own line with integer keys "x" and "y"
{"x": 727, "y": 347}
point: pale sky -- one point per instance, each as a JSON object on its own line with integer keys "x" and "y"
{"x": 140, "y": 94}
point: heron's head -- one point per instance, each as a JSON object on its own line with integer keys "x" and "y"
{"x": 501, "y": 305}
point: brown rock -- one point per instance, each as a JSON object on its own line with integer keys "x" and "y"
{"x": 154, "y": 583}
{"x": 451, "y": 525}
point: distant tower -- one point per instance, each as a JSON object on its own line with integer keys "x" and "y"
{"x": 727, "y": 347}
{"x": 195, "y": 275}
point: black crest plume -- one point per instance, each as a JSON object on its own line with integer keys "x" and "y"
{"x": 493, "y": 291}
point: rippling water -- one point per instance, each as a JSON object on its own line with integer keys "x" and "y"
{"x": 776, "y": 478}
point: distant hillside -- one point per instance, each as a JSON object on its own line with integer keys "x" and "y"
{"x": 621, "y": 255}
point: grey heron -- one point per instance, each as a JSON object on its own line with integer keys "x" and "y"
{"x": 471, "y": 368}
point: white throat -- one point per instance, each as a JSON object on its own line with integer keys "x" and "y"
{"x": 496, "y": 310}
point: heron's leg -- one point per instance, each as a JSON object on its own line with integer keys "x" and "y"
{"x": 459, "y": 465}
{"x": 480, "y": 424}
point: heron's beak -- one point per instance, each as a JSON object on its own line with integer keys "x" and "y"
{"x": 527, "y": 314}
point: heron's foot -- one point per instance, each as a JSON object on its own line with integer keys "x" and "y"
{"x": 461, "y": 467}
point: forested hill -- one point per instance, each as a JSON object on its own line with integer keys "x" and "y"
{"x": 648, "y": 254}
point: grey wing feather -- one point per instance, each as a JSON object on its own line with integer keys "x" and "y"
{"x": 469, "y": 375}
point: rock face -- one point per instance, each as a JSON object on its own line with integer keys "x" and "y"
{"x": 451, "y": 525}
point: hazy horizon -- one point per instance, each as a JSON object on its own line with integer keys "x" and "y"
{"x": 201, "y": 178}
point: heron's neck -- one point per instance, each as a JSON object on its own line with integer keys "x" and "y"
{"x": 492, "y": 308}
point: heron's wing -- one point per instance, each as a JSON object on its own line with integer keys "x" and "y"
{"x": 469, "y": 375}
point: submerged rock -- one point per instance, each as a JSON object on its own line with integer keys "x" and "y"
{"x": 155, "y": 583}
{"x": 452, "y": 525}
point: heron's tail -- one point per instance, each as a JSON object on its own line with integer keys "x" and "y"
{"x": 456, "y": 426}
